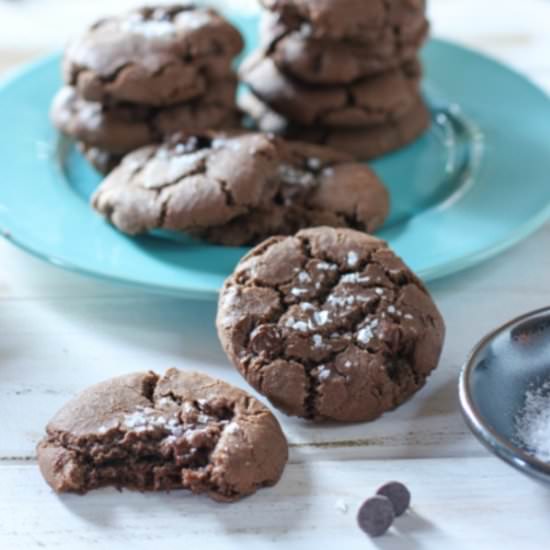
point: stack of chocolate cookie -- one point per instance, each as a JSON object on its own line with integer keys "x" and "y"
{"x": 134, "y": 79}
{"x": 344, "y": 73}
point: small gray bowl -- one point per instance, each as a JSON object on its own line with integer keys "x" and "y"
{"x": 493, "y": 383}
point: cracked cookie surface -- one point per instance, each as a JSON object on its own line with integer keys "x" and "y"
{"x": 190, "y": 183}
{"x": 358, "y": 20}
{"x": 327, "y": 61}
{"x": 179, "y": 431}
{"x": 159, "y": 55}
{"x": 316, "y": 186}
{"x": 374, "y": 100}
{"x": 239, "y": 190}
{"x": 329, "y": 324}
{"x": 122, "y": 128}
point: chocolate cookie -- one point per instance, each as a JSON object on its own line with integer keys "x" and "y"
{"x": 375, "y": 141}
{"x": 285, "y": 187}
{"x": 317, "y": 61}
{"x": 159, "y": 55}
{"x": 362, "y": 143}
{"x": 374, "y": 100}
{"x": 358, "y": 20}
{"x": 122, "y": 128}
{"x": 151, "y": 433}
{"x": 329, "y": 324}
{"x": 317, "y": 186}
{"x": 191, "y": 182}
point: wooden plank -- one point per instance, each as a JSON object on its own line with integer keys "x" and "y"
{"x": 457, "y": 504}
{"x": 54, "y": 348}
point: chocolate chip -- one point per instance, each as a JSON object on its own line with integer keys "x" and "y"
{"x": 398, "y": 495}
{"x": 265, "y": 340}
{"x": 376, "y": 515}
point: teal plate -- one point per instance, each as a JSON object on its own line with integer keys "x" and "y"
{"x": 476, "y": 183}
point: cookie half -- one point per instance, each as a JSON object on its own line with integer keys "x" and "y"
{"x": 158, "y": 55}
{"x": 151, "y": 433}
{"x": 122, "y": 128}
{"x": 374, "y": 100}
{"x": 330, "y": 324}
{"x": 316, "y": 186}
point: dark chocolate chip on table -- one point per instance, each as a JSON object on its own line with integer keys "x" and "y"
{"x": 398, "y": 494}
{"x": 376, "y": 515}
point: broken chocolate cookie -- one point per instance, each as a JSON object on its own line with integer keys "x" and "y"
{"x": 158, "y": 433}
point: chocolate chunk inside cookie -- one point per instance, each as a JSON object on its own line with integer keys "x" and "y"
{"x": 330, "y": 324}
{"x": 178, "y": 431}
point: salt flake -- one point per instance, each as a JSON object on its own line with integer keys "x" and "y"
{"x": 353, "y": 258}
{"x": 317, "y": 341}
{"x": 321, "y": 317}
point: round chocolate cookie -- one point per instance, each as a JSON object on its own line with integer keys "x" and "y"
{"x": 374, "y": 141}
{"x": 329, "y": 324}
{"x": 336, "y": 62}
{"x": 317, "y": 186}
{"x": 159, "y": 55}
{"x": 151, "y": 433}
{"x": 122, "y": 128}
{"x": 358, "y": 20}
{"x": 281, "y": 188}
{"x": 374, "y": 100}
{"x": 192, "y": 182}
{"x": 361, "y": 143}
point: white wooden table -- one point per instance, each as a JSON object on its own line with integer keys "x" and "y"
{"x": 60, "y": 332}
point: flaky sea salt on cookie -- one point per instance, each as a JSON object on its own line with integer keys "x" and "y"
{"x": 240, "y": 189}
{"x": 315, "y": 186}
{"x": 195, "y": 181}
{"x": 157, "y": 433}
{"x": 330, "y": 324}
